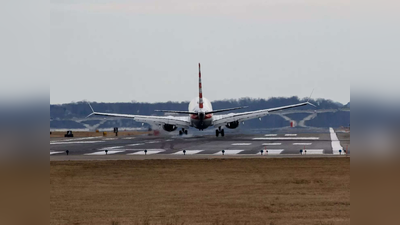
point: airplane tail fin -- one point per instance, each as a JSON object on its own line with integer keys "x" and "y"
{"x": 200, "y": 90}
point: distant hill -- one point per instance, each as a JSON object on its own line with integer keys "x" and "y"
{"x": 72, "y": 115}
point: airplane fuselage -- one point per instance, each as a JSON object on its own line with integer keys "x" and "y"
{"x": 201, "y": 120}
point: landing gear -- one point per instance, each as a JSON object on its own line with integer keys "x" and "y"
{"x": 183, "y": 131}
{"x": 219, "y": 131}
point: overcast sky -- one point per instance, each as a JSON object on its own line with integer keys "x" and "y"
{"x": 148, "y": 50}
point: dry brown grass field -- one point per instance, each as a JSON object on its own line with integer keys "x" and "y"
{"x": 214, "y": 191}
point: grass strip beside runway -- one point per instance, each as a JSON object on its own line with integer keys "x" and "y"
{"x": 201, "y": 191}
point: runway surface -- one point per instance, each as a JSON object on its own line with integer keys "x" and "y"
{"x": 279, "y": 144}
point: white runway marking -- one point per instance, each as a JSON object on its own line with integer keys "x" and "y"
{"x": 149, "y": 152}
{"x": 314, "y": 151}
{"x": 75, "y": 142}
{"x": 229, "y": 152}
{"x": 109, "y": 148}
{"x": 104, "y": 153}
{"x": 80, "y": 139}
{"x": 137, "y": 144}
{"x": 290, "y": 135}
{"x": 241, "y": 144}
{"x": 271, "y": 135}
{"x": 53, "y": 153}
{"x": 302, "y": 143}
{"x": 335, "y": 142}
{"x": 286, "y": 138}
{"x": 110, "y": 139}
{"x": 274, "y": 151}
{"x": 188, "y": 152}
{"x": 129, "y": 138}
{"x": 271, "y": 144}
{"x": 153, "y": 142}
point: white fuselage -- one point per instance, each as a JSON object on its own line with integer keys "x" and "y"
{"x": 202, "y": 120}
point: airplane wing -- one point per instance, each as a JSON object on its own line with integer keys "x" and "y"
{"x": 220, "y": 120}
{"x": 180, "y": 121}
{"x": 179, "y": 112}
{"x": 195, "y": 113}
{"x": 225, "y": 110}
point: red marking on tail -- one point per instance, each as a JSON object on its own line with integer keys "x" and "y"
{"x": 200, "y": 90}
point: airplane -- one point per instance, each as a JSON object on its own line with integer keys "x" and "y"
{"x": 200, "y": 116}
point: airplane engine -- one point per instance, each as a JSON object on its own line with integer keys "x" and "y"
{"x": 169, "y": 127}
{"x": 232, "y": 125}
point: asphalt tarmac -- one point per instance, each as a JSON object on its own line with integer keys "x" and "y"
{"x": 282, "y": 143}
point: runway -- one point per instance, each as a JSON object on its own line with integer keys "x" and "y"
{"x": 279, "y": 144}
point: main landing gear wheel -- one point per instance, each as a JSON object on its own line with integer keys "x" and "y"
{"x": 219, "y": 131}
{"x": 183, "y": 131}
